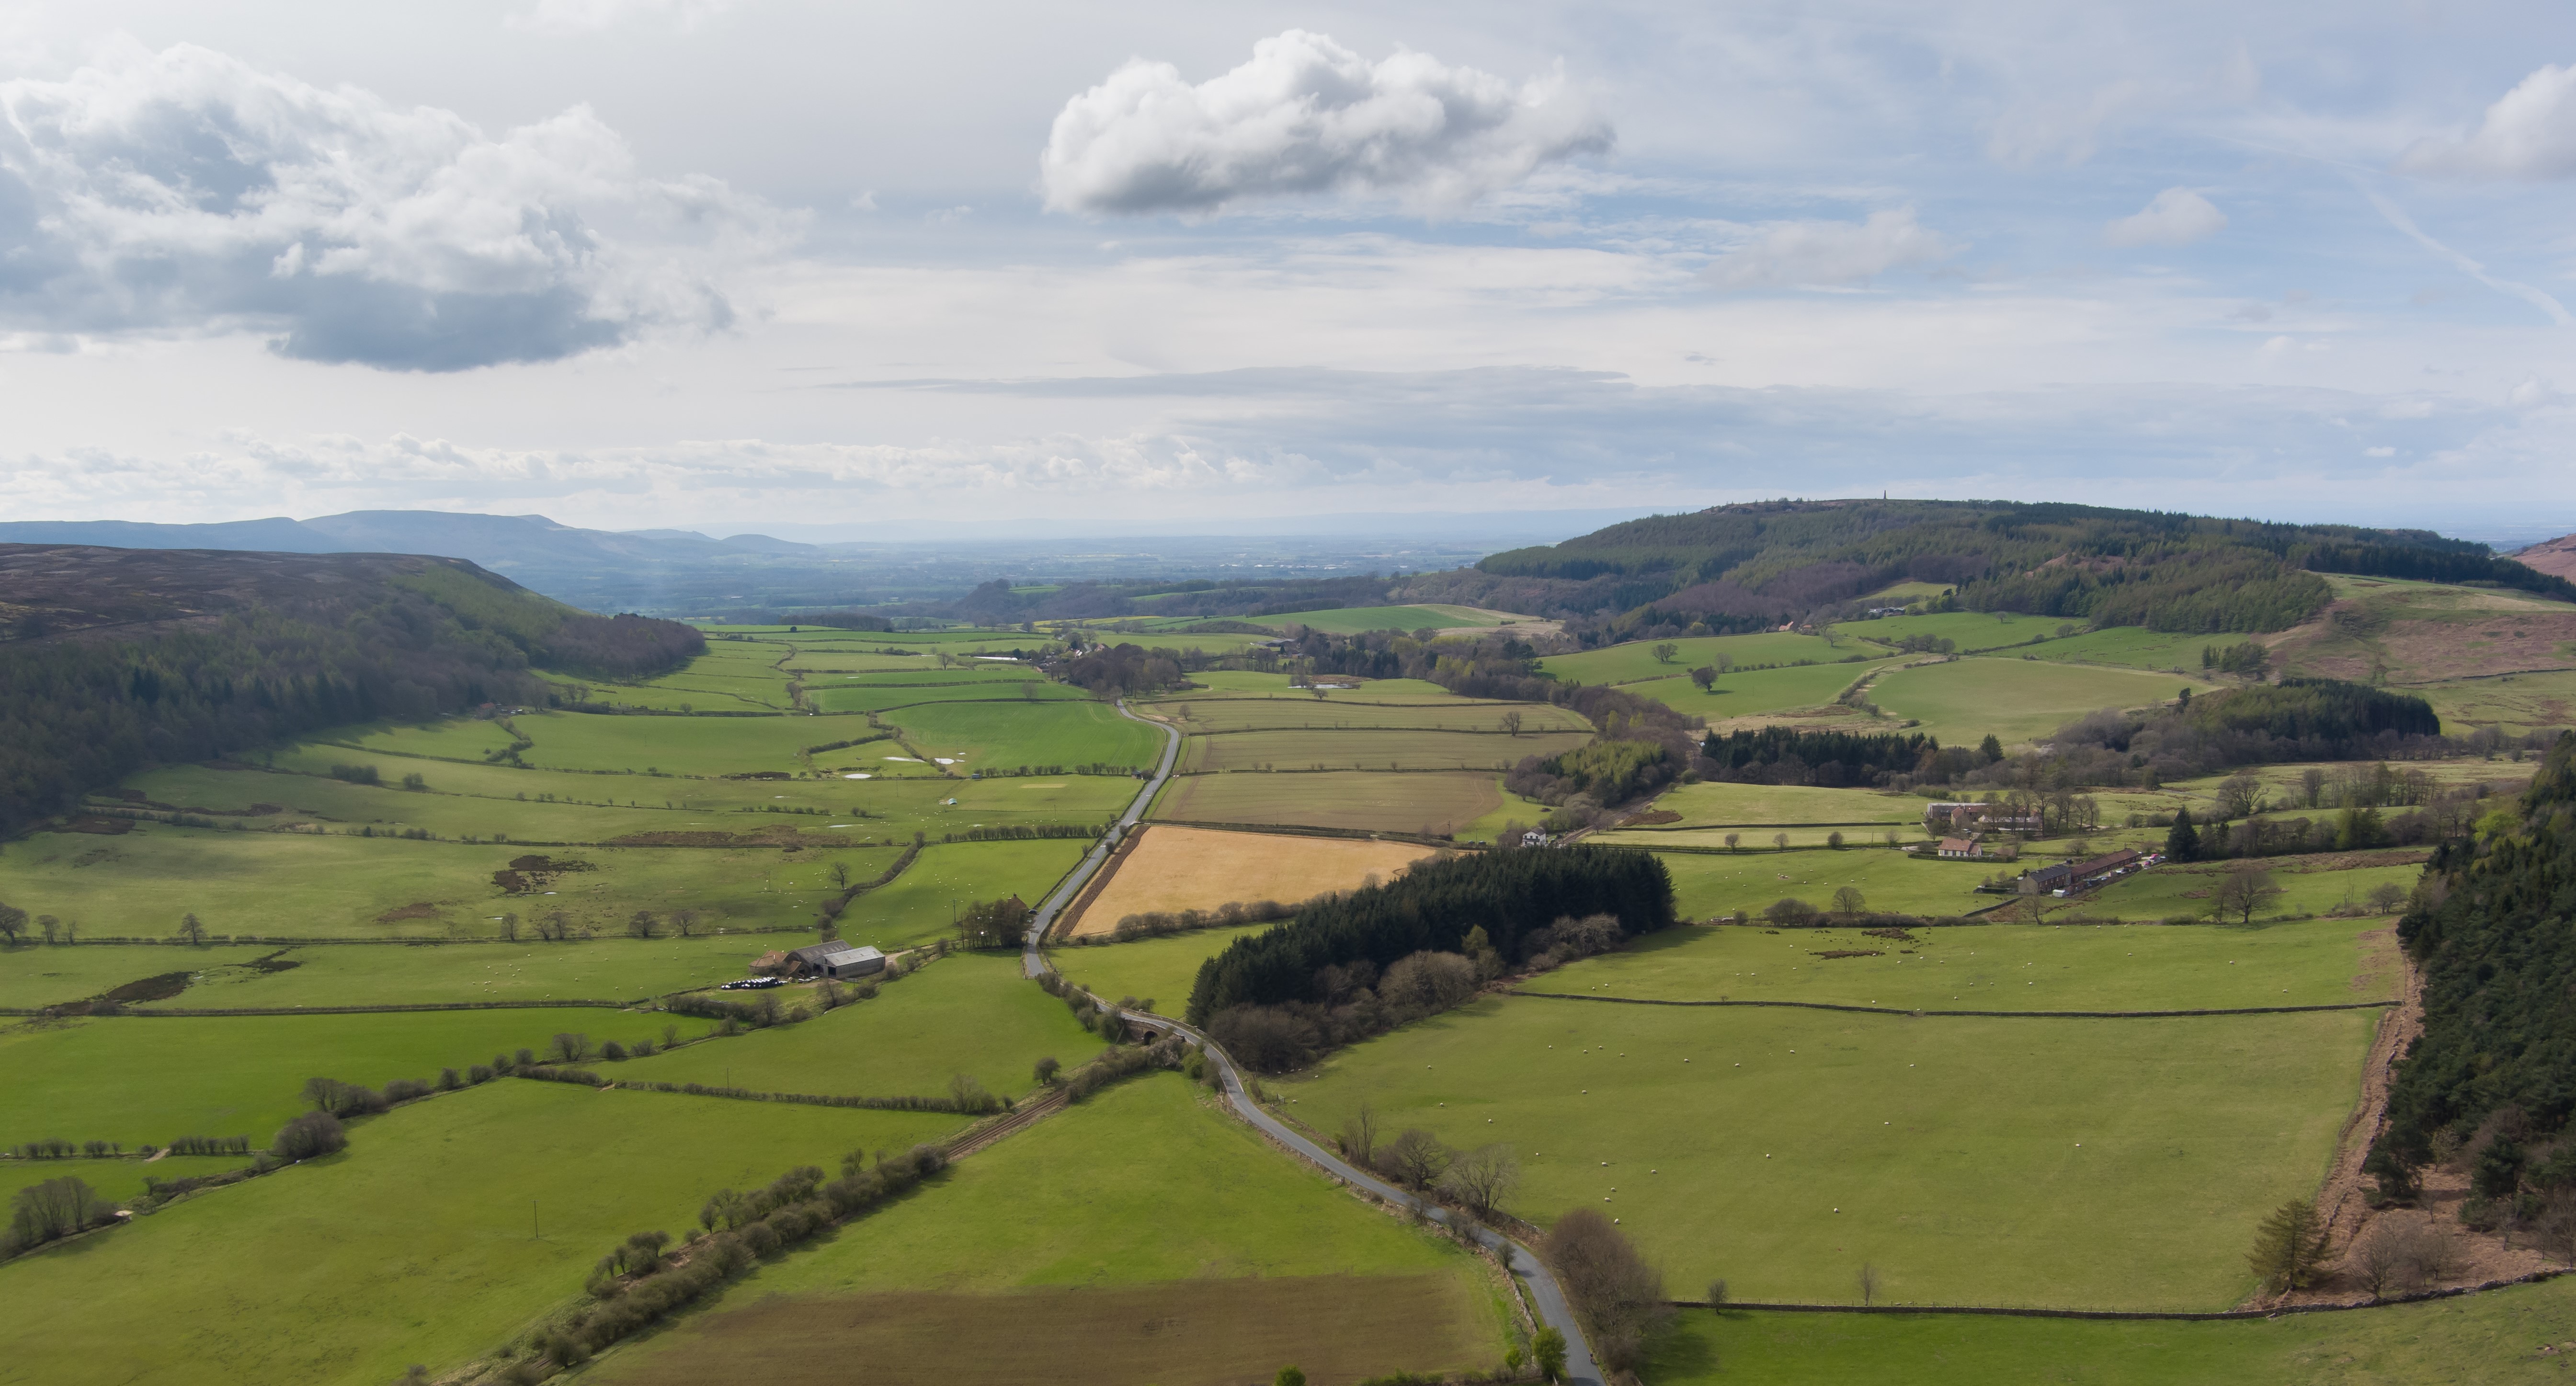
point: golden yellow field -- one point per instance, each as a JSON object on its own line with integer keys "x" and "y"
{"x": 1173, "y": 868}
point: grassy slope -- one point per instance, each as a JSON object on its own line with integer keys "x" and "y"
{"x": 2015, "y": 700}
{"x": 1718, "y": 804}
{"x": 968, "y": 1013}
{"x": 1975, "y": 1161}
{"x": 1757, "y": 693}
{"x": 413, "y": 1246}
{"x": 606, "y": 969}
{"x": 2139, "y": 967}
{"x": 1635, "y": 661}
{"x": 1161, "y": 970}
{"x": 119, "y": 1180}
{"x": 150, "y": 1080}
{"x": 1003, "y": 735}
{"x": 1371, "y": 749}
{"x": 1403, "y": 803}
{"x": 1354, "y": 620}
{"x": 2303, "y": 885}
{"x": 1352, "y": 710}
{"x": 1711, "y": 884}
{"x": 917, "y": 907}
{"x": 2457, "y": 1342}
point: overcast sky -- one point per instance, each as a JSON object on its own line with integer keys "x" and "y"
{"x": 732, "y": 264}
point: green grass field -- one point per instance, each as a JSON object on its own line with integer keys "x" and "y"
{"x": 295, "y": 885}
{"x": 1635, "y": 662}
{"x": 606, "y": 969}
{"x": 1000, "y": 736}
{"x": 2304, "y": 885}
{"x": 2132, "y": 647}
{"x": 1364, "y": 748}
{"x": 1402, "y": 803}
{"x": 1357, "y": 619}
{"x": 1709, "y": 884}
{"x": 883, "y": 697}
{"x": 968, "y": 1013}
{"x": 1116, "y": 1217}
{"x": 2516, "y": 702}
{"x": 1712, "y": 804}
{"x": 2135, "y": 967}
{"x": 1235, "y": 683}
{"x": 2473, "y": 1341}
{"x": 117, "y": 1180}
{"x": 151, "y": 1080}
{"x": 415, "y": 1245}
{"x": 2016, "y": 700}
{"x": 1970, "y": 630}
{"x": 2073, "y": 1163}
{"x": 1160, "y": 970}
{"x": 919, "y": 905}
{"x": 1757, "y": 693}
{"x": 1351, "y": 710}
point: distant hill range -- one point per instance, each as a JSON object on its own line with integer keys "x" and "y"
{"x": 2555, "y": 556}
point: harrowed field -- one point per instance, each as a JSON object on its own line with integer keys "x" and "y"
{"x": 2472, "y": 1341}
{"x": 2067, "y": 1163}
{"x": 2019, "y": 967}
{"x": 1169, "y": 868}
{"x": 1142, "y": 1185}
{"x": 443, "y": 1230}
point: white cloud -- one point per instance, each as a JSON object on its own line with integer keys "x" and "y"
{"x": 2533, "y": 393}
{"x": 2178, "y": 216}
{"x": 1830, "y": 253}
{"x": 1307, "y": 115}
{"x": 2529, "y": 133}
{"x": 184, "y": 190}
{"x": 590, "y": 16}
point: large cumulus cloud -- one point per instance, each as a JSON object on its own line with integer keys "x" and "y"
{"x": 184, "y": 190}
{"x": 2530, "y": 132}
{"x": 1308, "y": 115}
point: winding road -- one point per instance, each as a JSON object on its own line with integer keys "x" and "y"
{"x": 1546, "y": 1297}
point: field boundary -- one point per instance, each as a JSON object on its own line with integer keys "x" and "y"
{"x": 74, "y": 1010}
{"x": 1304, "y": 830}
{"x": 1906, "y": 1011}
{"x": 2171, "y": 1316}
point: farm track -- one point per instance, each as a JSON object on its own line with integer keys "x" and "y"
{"x": 1019, "y": 1119}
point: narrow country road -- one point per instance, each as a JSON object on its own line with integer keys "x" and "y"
{"x": 1032, "y": 960}
{"x": 1545, "y": 1295}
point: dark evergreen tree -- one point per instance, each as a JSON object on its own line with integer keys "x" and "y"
{"x": 2182, "y": 843}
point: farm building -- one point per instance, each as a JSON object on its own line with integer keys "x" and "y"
{"x": 2047, "y": 878}
{"x": 835, "y": 960}
{"x": 2104, "y": 867}
{"x": 1960, "y": 849}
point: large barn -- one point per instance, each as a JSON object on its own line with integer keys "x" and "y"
{"x": 835, "y": 959}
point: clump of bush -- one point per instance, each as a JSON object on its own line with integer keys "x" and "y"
{"x": 1163, "y": 923}
{"x": 314, "y": 1133}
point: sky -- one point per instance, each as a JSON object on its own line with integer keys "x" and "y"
{"x": 901, "y": 269}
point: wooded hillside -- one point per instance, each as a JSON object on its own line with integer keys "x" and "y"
{"x": 118, "y": 658}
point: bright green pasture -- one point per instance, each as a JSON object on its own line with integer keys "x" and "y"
{"x": 441, "y": 811}
{"x": 968, "y": 1013}
{"x": 1970, "y": 630}
{"x": 692, "y": 699}
{"x": 919, "y": 906}
{"x": 416, "y": 1245}
{"x": 1757, "y": 692}
{"x": 1365, "y": 748}
{"x": 2072, "y": 967}
{"x": 2075, "y": 1163}
{"x": 151, "y": 1079}
{"x": 881, "y": 697}
{"x": 610, "y": 968}
{"x": 1353, "y": 710}
{"x": 1758, "y": 839}
{"x": 1904, "y": 593}
{"x": 1710, "y": 884}
{"x": 607, "y": 969}
{"x": 1142, "y": 1183}
{"x": 2016, "y": 700}
{"x": 1713, "y": 804}
{"x": 1001, "y": 736}
{"x": 2135, "y": 647}
{"x": 2302, "y": 885}
{"x": 1402, "y": 803}
{"x": 120, "y": 1181}
{"x": 1245, "y": 683}
{"x": 287, "y": 885}
{"x": 2471, "y": 1341}
{"x": 679, "y": 745}
{"x": 1160, "y": 970}
{"x": 1353, "y": 620}
{"x": 1635, "y": 662}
